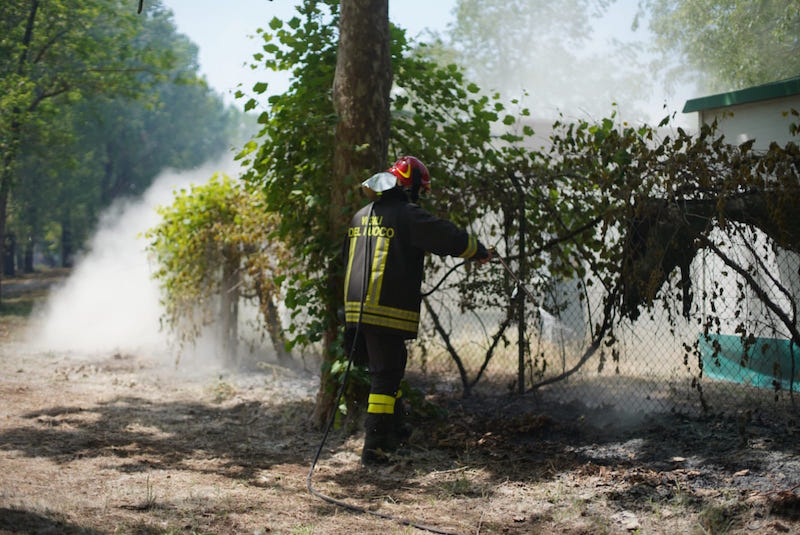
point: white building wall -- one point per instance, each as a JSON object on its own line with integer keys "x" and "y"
{"x": 765, "y": 121}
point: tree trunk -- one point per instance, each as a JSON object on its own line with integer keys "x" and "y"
{"x": 5, "y": 188}
{"x": 27, "y": 258}
{"x": 67, "y": 244}
{"x": 361, "y": 86}
{"x": 273, "y": 321}
{"x": 108, "y": 177}
{"x": 230, "y": 312}
{"x": 9, "y": 254}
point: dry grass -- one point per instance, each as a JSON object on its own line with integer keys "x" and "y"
{"x": 125, "y": 444}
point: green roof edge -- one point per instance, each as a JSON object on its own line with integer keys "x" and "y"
{"x": 782, "y": 88}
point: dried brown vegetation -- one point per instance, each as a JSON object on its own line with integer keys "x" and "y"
{"x": 123, "y": 443}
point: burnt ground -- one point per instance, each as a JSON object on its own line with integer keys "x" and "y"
{"x": 123, "y": 443}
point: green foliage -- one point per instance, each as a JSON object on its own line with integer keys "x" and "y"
{"x": 292, "y": 164}
{"x": 728, "y": 44}
{"x": 648, "y": 203}
{"x": 208, "y": 230}
{"x": 438, "y": 116}
{"x": 70, "y": 51}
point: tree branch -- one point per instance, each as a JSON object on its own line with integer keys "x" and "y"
{"x": 28, "y": 37}
{"x": 450, "y": 349}
{"x": 760, "y": 292}
{"x": 608, "y": 319}
{"x": 495, "y": 340}
{"x": 48, "y": 45}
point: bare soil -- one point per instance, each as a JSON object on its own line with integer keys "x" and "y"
{"x": 123, "y": 443}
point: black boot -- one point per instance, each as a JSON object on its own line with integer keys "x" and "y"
{"x": 379, "y": 439}
{"x": 401, "y": 429}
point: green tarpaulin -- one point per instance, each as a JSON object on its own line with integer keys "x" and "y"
{"x": 765, "y": 363}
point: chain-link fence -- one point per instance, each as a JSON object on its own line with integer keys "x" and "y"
{"x": 732, "y": 351}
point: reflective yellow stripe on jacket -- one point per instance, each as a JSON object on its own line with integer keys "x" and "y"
{"x": 379, "y": 257}
{"x": 350, "y": 255}
{"x": 382, "y": 316}
{"x": 472, "y": 248}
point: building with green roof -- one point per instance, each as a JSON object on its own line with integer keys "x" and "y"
{"x": 760, "y": 112}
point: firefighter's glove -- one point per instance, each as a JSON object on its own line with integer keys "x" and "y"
{"x": 490, "y": 254}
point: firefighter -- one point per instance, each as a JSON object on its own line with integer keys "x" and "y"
{"x": 384, "y": 255}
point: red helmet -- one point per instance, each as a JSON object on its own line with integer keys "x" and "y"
{"x": 409, "y": 169}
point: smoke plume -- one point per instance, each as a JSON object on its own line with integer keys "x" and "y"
{"x": 110, "y": 303}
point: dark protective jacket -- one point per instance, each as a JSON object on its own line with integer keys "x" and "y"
{"x": 394, "y": 235}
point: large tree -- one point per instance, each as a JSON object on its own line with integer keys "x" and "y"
{"x": 361, "y": 85}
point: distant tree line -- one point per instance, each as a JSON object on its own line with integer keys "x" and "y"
{"x": 95, "y": 101}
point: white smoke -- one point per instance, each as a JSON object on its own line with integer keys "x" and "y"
{"x": 110, "y": 303}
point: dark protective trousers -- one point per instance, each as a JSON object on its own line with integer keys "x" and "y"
{"x": 387, "y": 361}
{"x": 387, "y": 364}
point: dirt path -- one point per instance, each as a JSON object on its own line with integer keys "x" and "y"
{"x": 125, "y": 444}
